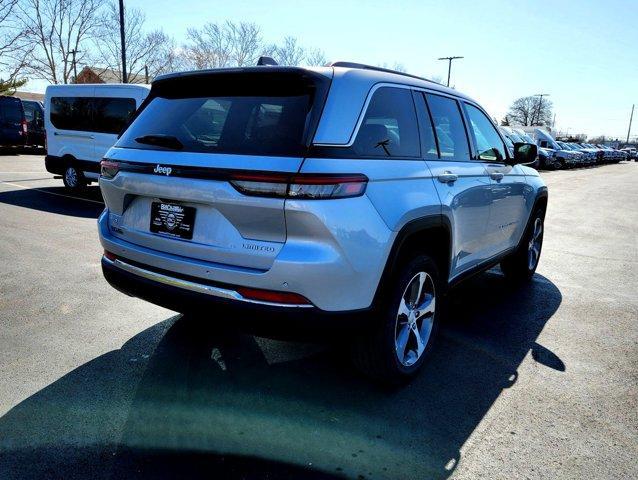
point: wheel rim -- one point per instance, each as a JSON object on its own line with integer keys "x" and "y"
{"x": 534, "y": 248}
{"x": 71, "y": 177}
{"x": 415, "y": 319}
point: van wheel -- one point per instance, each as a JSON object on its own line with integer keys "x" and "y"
{"x": 73, "y": 179}
{"x": 521, "y": 265}
{"x": 399, "y": 341}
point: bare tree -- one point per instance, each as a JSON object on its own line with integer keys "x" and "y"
{"x": 13, "y": 49}
{"x": 53, "y": 29}
{"x": 315, "y": 58}
{"x": 223, "y": 45}
{"x": 289, "y": 53}
{"x": 530, "y": 111}
{"x": 396, "y": 66}
{"x": 145, "y": 51}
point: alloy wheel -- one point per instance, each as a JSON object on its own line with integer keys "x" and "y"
{"x": 415, "y": 319}
{"x": 71, "y": 177}
{"x": 534, "y": 248}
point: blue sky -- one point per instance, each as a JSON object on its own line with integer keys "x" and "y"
{"x": 583, "y": 53}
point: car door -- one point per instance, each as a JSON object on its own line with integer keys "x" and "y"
{"x": 462, "y": 183}
{"x": 510, "y": 192}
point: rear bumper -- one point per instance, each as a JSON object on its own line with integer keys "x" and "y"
{"x": 217, "y": 303}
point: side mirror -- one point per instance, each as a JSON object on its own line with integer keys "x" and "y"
{"x": 524, "y": 153}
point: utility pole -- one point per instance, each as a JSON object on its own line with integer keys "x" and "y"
{"x": 449, "y": 66}
{"x": 630, "y": 120}
{"x": 146, "y": 74}
{"x": 540, "y": 104}
{"x": 123, "y": 42}
{"x": 75, "y": 70}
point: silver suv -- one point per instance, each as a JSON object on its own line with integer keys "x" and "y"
{"x": 346, "y": 196}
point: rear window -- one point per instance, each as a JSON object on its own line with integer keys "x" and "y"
{"x": 11, "y": 110}
{"x": 250, "y": 114}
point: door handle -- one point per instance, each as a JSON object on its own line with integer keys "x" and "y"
{"x": 448, "y": 177}
{"x": 498, "y": 176}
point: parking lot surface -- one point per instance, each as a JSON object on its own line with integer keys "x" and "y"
{"x": 534, "y": 382}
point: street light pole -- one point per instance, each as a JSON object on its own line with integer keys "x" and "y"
{"x": 75, "y": 70}
{"x": 540, "y": 103}
{"x": 630, "y": 120}
{"x": 123, "y": 43}
{"x": 449, "y": 66}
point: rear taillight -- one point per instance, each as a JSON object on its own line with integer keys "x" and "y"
{"x": 108, "y": 168}
{"x": 111, "y": 256}
{"x": 24, "y": 126}
{"x": 300, "y": 186}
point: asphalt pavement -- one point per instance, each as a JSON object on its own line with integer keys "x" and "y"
{"x": 534, "y": 382}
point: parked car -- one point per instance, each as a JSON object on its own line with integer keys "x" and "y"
{"x": 546, "y": 157}
{"x": 632, "y": 153}
{"x": 34, "y": 114}
{"x": 82, "y": 122}
{"x": 13, "y": 124}
{"x": 588, "y": 157}
{"x": 563, "y": 158}
{"x": 339, "y": 196}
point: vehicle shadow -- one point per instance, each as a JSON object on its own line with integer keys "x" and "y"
{"x": 224, "y": 405}
{"x": 57, "y": 200}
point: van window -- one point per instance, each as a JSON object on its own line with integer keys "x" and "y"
{"x": 72, "y": 113}
{"x": 11, "y": 110}
{"x": 389, "y": 127}
{"x": 449, "y": 128}
{"x": 110, "y": 115}
{"x": 91, "y": 114}
{"x": 488, "y": 142}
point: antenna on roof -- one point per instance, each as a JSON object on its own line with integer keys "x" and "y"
{"x": 266, "y": 61}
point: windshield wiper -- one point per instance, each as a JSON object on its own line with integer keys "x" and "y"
{"x": 158, "y": 140}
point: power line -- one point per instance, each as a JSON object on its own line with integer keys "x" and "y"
{"x": 449, "y": 66}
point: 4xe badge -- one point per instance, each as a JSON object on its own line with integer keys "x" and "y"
{"x": 159, "y": 169}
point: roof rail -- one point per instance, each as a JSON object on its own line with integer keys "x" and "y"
{"x": 363, "y": 66}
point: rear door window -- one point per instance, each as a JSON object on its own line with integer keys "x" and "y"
{"x": 110, "y": 115}
{"x": 449, "y": 127}
{"x": 389, "y": 127}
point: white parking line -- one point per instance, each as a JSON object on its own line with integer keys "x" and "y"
{"x": 51, "y": 193}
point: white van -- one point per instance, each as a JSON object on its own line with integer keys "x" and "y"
{"x": 82, "y": 122}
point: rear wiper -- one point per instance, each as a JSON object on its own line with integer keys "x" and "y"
{"x": 167, "y": 141}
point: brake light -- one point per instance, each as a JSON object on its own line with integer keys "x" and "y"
{"x": 272, "y": 296}
{"x": 300, "y": 186}
{"x": 24, "y": 126}
{"x": 108, "y": 168}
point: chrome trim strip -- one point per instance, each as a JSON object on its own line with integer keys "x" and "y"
{"x": 194, "y": 287}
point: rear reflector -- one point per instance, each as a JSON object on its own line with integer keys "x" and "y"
{"x": 300, "y": 186}
{"x": 272, "y": 296}
{"x": 110, "y": 256}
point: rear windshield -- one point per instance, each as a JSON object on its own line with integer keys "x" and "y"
{"x": 10, "y": 110}
{"x": 258, "y": 116}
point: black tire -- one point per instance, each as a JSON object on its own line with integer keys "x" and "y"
{"x": 375, "y": 353}
{"x": 518, "y": 266}
{"x": 73, "y": 179}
